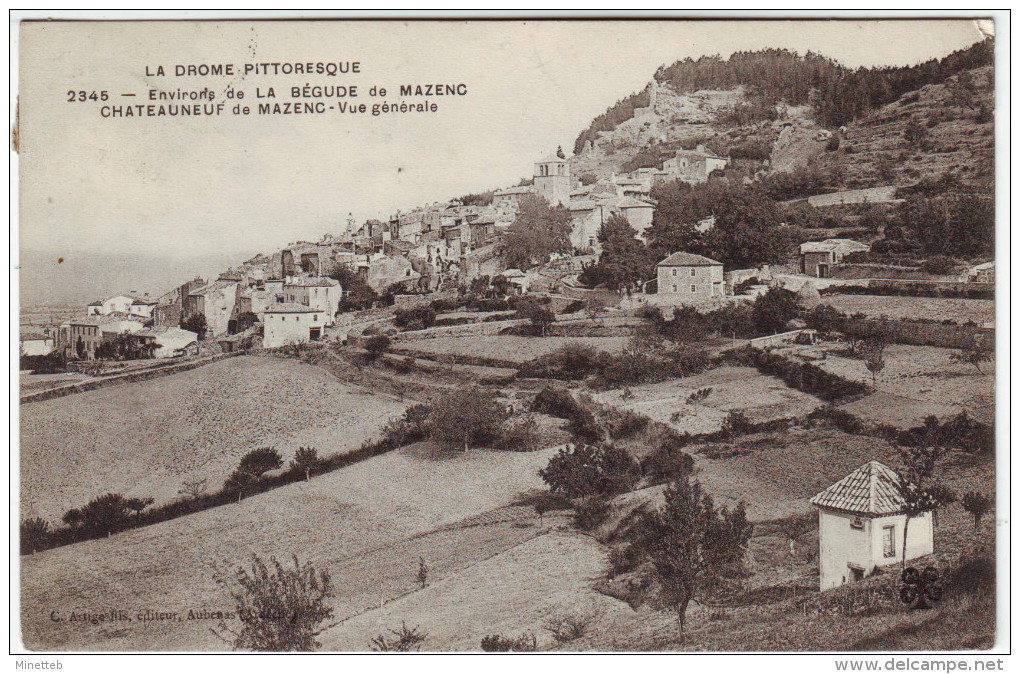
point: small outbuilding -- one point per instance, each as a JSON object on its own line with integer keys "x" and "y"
{"x": 861, "y": 525}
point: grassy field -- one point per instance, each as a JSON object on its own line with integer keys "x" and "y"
{"x": 511, "y": 593}
{"x": 759, "y": 396}
{"x": 508, "y": 347}
{"x": 934, "y": 308}
{"x": 916, "y": 381}
{"x": 146, "y": 438}
{"x": 365, "y": 524}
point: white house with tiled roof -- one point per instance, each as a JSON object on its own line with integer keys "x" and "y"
{"x": 861, "y": 526}
{"x": 685, "y": 278}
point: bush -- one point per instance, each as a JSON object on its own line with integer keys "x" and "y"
{"x": 668, "y": 461}
{"x": 806, "y": 377}
{"x": 403, "y": 640}
{"x": 632, "y": 367}
{"x": 689, "y": 361}
{"x": 415, "y": 318}
{"x": 570, "y": 626}
{"x": 376, "y": 346}
{"x": 582, "y": 470}
{"x": 520, "y": 435}
{"x": 570, "y": 361}
{"x": 494, "y": 643}
{"x": 33, "y": 534}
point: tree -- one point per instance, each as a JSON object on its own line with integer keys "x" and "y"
{"x": 773, "y": 310}
{"x": 355, "y": 292}
{"x": 280, "y": 609}
{"x": 559, "y": 152}
{"x": 193, "y": 488}
{"x": 915, "y": 484}
{"x": 106, "y": 514}
{"x": 977, "y": 505}
{"x": 748, "y": 227}
{"x": 581, "y": 470}
{"x": 137, "y": 505}
{"x": 79, "y": 348}
{"x": 593, "y": 308}
{"x": 688, "y": 539}
{"x": 306, "y": 459}
{"x": 874, "y": 357}
{"x": 465, "y": 418}
{"x": 540, "y": 315}
{"x": 975, "y": 351}
{"x": 538, "y": 231}
{"x": 376, "y": 346}
{"x": 625, "y": 261}
{"x": 245, "y": 320}
{"x": 33, "y": 534}
{"x": 250, "y": 470}
{"x": 195, "y": 323}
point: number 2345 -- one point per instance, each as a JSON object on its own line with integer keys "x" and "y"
{"x": 83, "y": 96}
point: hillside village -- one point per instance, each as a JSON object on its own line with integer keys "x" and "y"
{"x": 716, "y": 292}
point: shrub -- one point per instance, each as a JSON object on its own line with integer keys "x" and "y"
{"x": 570, "y": 361}
{"x": 541, "y": 316}
{"x": 689, "y": 361}
{"x": 583, "y": 470}
{"x": 584, "y": 426}
{"x": 977, "y": 505}
{"x": 376, "y": 346}
{"x": 306, "y": 459}
{"x": 571, "y": 625}
{"x": 668, "y": 461}
{"x": 33, "y": 534}
{"x": 520, "y": 435}
{"x": 415, "y": 318}
{"x": 494, "y": 643}
{"x": 631, "y": 367}
{"x": 403, "y": 640}
{"x": 280, "y": 609}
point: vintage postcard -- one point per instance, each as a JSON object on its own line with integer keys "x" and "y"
{"x": 512, "y": 335}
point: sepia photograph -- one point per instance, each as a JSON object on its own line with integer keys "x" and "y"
{"x": 510, "y": 334}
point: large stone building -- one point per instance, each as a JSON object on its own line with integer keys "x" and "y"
{"x": 552, "y": 180}
{"x": 291, "y": 323}
{"x": 861, "y": 525}
{"x": 685, "y": 278}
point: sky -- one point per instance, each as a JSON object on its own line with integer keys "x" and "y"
{"x": 144, "y": 203}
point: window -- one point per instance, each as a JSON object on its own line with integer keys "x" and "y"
{"x": 694, "y": 288}
{"x": 889, "y": 540}
{"x": 857, "y": 522}
{"x": 694, "y": 272}
{"x": 674, "y": 272}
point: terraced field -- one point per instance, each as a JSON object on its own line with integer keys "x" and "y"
{"x": 146, "y": 438}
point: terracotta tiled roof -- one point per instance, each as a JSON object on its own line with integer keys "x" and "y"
{"x": 869, "y": 490}
{"x": 688, "y": 260}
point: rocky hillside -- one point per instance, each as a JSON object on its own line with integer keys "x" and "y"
{"x": 941, "y": 128}
{"x": 671, "y": 121}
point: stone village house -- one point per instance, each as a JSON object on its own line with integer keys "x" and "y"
{"x": 685, "y": 278}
